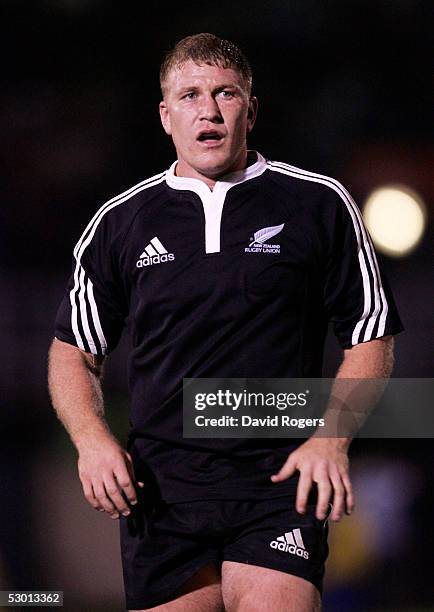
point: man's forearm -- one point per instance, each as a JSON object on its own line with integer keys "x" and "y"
{"x": 372, "y": 359}
{"x": 323, "y": 458}
{"x": 75, "y": 389}
{"x": 358, "y": 385}
{"x": 104, "y": 467}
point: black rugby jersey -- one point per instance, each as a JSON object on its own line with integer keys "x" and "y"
{"x": 240, "y": 281}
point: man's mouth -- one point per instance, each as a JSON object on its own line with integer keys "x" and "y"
{"x": 209, "y": 136}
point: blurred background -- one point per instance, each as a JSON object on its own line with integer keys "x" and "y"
{"x": 344, "y": 89}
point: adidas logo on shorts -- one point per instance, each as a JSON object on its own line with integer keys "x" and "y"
{"x": 154, "y": 253}
{"x": 292, "y": 543}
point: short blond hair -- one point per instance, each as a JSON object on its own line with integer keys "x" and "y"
{"x": 209, "y": 49}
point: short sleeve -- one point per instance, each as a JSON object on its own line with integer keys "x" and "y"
{"x": 357, "y": 297}
{"x": 93, "y": 311}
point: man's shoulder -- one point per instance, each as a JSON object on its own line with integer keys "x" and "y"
{"x": 305, "y": 181}
{"x": 135, "y": 196}
{"x": 122, "y": 208}
{"x": 111, "y": 221}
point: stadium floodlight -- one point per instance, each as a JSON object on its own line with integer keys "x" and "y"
{"x": 395, "y": 216}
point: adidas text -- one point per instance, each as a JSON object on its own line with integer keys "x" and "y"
{"x": 155, "y": 259}
{"x": 289, "y": 548}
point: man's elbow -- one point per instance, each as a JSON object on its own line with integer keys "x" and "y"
{"x": 389, "y": 352}
{"x": 63, "y": 353}
{"x": 373, "y": 359}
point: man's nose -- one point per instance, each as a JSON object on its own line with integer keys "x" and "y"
{"x": 209, "y": 109}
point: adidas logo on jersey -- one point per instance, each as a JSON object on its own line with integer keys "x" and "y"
{"x": 154, "y": 253}
{"x": 292, "y": 543}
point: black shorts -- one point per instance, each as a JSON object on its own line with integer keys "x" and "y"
{"x": 166, "y": 544}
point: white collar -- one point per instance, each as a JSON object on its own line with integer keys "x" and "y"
{"x": 223, "y": 184}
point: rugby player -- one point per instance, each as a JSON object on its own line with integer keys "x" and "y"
{"x": 225, "y": 265}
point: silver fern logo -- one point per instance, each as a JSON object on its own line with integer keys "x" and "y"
{"x": 259, "y": 242}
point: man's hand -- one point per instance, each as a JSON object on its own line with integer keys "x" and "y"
{"x": 107, "y": 475}
{"x": 105, "y": 468}
{"x": 324, "y": 461}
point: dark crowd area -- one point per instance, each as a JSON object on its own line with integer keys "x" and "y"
{"x": 344, "y": 89}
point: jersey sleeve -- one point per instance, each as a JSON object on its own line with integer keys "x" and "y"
{"x": 357, "y": 297}
{"x": 93, "y": 311}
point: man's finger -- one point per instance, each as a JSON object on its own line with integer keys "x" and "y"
{"x": 285, "y": 471}
{"x": 125, "y": 483}
{"x": 89, "y": 495}
{"x": 349, "y": 492}
{"x": 324, "y": 493}
{"x": 338, "y": 496}
{"x": 115, "y": 496}
{"x": 130, "y": 468}
{"x": 303, "y": 488}
{"x": 106, "y": 503}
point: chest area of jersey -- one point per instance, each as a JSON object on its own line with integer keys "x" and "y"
{"x": 242, "y": 243}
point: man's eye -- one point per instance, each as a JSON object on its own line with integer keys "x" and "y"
{"x": 226, "y": 94}
{"x": 190, "y": 95}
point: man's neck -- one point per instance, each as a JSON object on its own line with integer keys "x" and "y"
{"x": 249, "y": 159}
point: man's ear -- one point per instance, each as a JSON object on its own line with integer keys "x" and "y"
{"x": 252, "y": 113}
{"x": 165, "y": 117}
